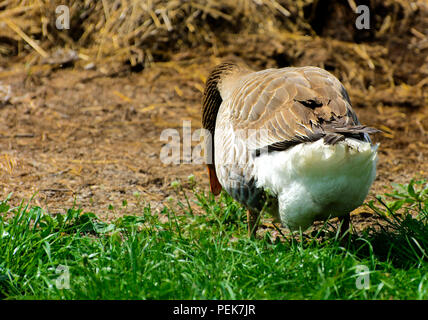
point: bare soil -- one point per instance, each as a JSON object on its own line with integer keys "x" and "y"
{"x": 92, "y": 138}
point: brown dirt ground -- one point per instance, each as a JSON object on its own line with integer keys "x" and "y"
{"x": 93, "y": 138}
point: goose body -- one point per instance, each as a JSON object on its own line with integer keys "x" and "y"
{"x": 287, "y": 141}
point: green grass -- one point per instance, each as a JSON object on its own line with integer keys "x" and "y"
{"x": 209, "y": 256}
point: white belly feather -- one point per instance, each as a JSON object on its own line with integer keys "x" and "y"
{"x": 314, "y": 181}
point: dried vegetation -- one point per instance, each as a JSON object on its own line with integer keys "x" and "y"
{"x": 174, "y": 43}
{"x": 385, "y": 64}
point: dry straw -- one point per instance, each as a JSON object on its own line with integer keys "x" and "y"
{"x": 264, "y": 32}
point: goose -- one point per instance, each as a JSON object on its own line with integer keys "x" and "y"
{"x": 287, "y": 142}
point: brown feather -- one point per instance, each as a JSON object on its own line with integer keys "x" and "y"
{"x": 291, "y": 106}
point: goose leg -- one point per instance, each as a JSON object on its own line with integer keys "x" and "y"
{"x": 253, "y": 222}
{"x": 344, "y": 227}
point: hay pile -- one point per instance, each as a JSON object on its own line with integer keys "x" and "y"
{"x": 129, "y": 30}
{"x": 386, "y": 64}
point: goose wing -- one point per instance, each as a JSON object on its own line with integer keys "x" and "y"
{"x": 279, "y": 108}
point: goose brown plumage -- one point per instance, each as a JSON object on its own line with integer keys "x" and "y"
{"x": 288, "y": 141}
